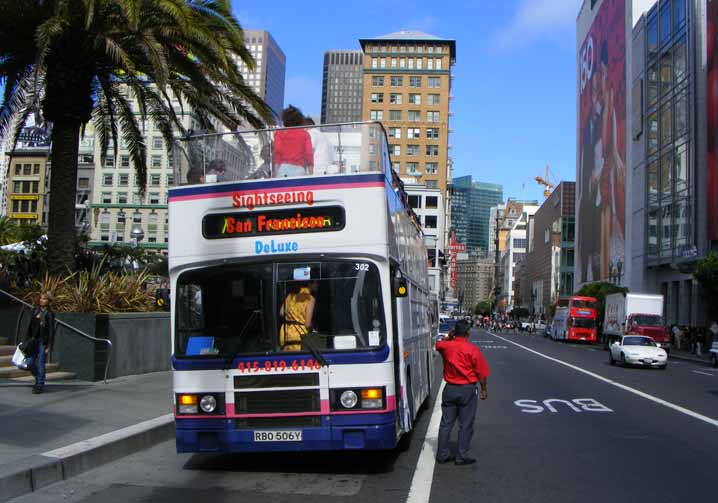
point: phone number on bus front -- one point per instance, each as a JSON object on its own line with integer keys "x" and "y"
{"x": 279, "y": 366}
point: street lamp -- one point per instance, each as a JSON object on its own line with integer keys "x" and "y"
{"x": 136, "y": 235}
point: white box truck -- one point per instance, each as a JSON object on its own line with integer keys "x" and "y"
{"x": 635, "y": 314}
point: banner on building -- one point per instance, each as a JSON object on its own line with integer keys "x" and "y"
{"x": 455, "y": 248}
{"x": 601, "y": 165}
{"x": 712, "y": 119}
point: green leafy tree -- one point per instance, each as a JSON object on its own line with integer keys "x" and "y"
{"x": 706, "y": 273}
{"x": 599, "y": 290}
{"x": 484, "y": 308}
{"x": 82, "y": 60}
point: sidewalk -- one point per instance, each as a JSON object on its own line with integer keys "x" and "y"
{"x": 33, "y": 428}
{"x": 683, "y": 354}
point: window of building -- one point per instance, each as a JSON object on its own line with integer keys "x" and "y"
{"x": 432, "y": 202}
{"x": 431, "y": 168}
{"x": 419, "y": 63}
{"x": 415, "y": 99}
{"x": 17, "y": 187}
{"x": 665, "y": 124}
{"x": 377, "y": 97}
{"x": 109, "y": 162}
{"x": 652, "y": 137}
{"x": 397, "y": 81}
{"x": 652, "y": 31}
{"x": 432, "y": 150}
{"x": 394, "y": 115}
{"x": 395, "y": 149}
{"x": 664, "y": 17}
{"x": 652, "y": 85}
{"x": 377, "y": 81}
{"x": 107, "y": 180}
{"x": 125, "y": 161}
{"x": 414, "y": 116}
{"x": 155, "y": 180}
{"x": 105, "y": 226}
{"x": 434, "y": 82}
{"x": 679, "y": 60}
{"x": 432, "y": 116}
{"x": 414, "y": 201}
{"x": 681, "y": 169}
{"x": 124, "y": 180}
{"x": 666, "y": 72}
{"x": 395, "y": 132}
{"x": 410, "y": 63}
{"x": 433, "y": 99}
{"x": 414, "y": 81}
{"x": 122, "y": 197}
{"x": 396, "y": 166}
{"x": 36, "y": 167}
{"x": 106, "y": 198}
{"x": 432, "y": 132}
{"x": 429, "y": 64}
{"x": 437, "y": 64}
{"x": 137, "y": 198}
{"x": 154, "y": 198}
{"x": 376, "y": 115}
{"x": 395, "y": 98}
{"x": 412, "y": 168}
{"x": 27, "y": 169}
{"x": 431, "y": 184}
{"x": 83, "y": 182}
{"x": 519, "y": 243}
{"x": 412, "y": 150}
{"x": 412, "y": 133}
{"x": 393, "y": 62}
{"x": 152, "y": 228}
{"x": 18, "y": 169}
{"x": 681, "y": 114}
{"x": 679, "y": 14}
{"x": 156, "y": 161}
{"x": 652, "y": 183}
{"x": 430, "y": 221}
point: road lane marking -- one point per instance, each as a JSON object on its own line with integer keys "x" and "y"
{"x": 420, "y": 490}
{"x": 702, "y": 373}
{"x": 660, "y": 401}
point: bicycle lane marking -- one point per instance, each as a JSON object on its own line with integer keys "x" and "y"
{"x": 660, "y": 401}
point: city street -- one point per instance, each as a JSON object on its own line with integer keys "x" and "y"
{"x": 548, "y": 432}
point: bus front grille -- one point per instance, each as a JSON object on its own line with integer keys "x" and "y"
{"x": 278, "y": 422}
{"x": 272, "y": 402}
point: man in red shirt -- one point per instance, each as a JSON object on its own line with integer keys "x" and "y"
{"x": 464, "y": 366}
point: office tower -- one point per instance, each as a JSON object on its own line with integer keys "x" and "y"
{"x": 407, "y": 86}
{"x": 268, "y": 77}
{"x": 471, "y": 204}
{"x": 342, "y": 87}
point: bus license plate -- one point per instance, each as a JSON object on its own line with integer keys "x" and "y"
{"x": 278, "y": 436}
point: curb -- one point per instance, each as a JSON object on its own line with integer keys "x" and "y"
{"x": 690, "y": 359}
{"x": 41, "y": 470}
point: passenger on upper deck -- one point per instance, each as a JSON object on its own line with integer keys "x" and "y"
{"x": 322, "y": 149}
{"x": 293, "y": 152}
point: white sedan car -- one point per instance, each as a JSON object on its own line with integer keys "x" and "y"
{"x": 638, "y": 350}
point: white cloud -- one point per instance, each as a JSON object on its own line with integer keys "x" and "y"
{"x": 304, "y": 92}
{"x": 535, "y": 19}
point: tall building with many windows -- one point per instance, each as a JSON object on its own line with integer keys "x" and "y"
{"x": 268, "y": 77}
{"x": 471, "y": 204}
{"x": 342, "y": 87}
{"x": 407, "y": 86}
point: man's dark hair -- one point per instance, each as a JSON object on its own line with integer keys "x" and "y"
{"x": 461, "y": 329}
{"x": 292, "y": 116}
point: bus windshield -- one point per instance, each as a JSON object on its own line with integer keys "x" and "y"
{"x": 262, "y": 308}
{"x": 583, "y": 304}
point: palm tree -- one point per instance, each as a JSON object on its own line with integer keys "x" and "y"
{"x": 8, "y": 231}
{"x": 82, "y": 60}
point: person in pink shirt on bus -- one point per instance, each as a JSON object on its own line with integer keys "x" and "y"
{"x": 293, "y": 153}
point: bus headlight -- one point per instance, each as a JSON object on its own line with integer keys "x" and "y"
{"x": 348, "y": 399}
{"x": 208, "y": 404}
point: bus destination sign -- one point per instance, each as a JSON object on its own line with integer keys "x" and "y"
{"x": 274, "y": 222}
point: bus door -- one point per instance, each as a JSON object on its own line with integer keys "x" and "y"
{"x": 401, "y": 316}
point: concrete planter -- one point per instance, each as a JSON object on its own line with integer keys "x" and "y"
{"x": 140, "y": 344}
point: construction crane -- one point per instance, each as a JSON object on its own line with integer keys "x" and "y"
{"x": 546, "y": 182}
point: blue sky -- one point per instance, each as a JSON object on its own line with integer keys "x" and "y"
{"x": 515, "y": 102}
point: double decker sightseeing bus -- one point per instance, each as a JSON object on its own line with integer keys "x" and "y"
{"x": 301, "y": 311}
{"x": 575, "y": 319}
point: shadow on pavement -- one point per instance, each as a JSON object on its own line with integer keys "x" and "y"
{"x": 350, "y": 462}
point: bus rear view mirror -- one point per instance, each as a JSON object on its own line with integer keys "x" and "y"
{"x": 400, "y": 287}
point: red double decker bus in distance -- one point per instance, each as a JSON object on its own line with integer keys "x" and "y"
{"x": 575, "y": 320}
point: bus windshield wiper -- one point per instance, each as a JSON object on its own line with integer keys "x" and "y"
{"x": 315, "y": 352}
{"x": 232, "y": 356}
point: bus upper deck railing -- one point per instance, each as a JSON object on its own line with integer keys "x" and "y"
{"x": 336, "y": 149}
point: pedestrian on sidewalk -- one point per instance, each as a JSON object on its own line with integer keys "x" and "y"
{"x": 40, "y": 334}
{"x": 464, "y": 367}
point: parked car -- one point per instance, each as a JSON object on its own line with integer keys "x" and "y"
{"x": 638, "y": 350}
{"x": 540, "y": 326}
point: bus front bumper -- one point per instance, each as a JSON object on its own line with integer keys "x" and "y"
{"x": 341, "y": 432}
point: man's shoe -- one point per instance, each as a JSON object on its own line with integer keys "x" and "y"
{"x": 447, "y": 460}
{"x": 36, "y": 390}
{"x": 465, "y": 461}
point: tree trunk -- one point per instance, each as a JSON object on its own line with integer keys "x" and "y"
{"x": 63, "y": 186}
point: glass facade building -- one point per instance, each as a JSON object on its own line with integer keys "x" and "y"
{"x": 471, "y": 204}
{"x": 342, "y": 87}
